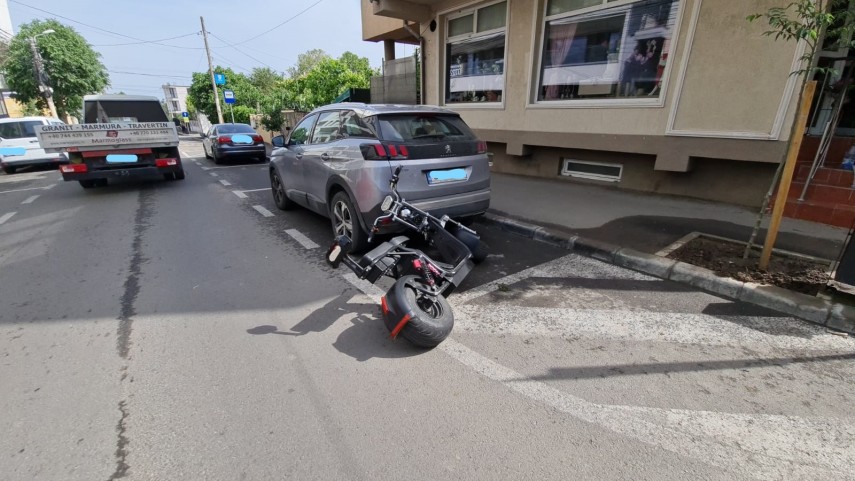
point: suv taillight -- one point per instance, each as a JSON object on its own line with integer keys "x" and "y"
{"x": 384, "y": 152}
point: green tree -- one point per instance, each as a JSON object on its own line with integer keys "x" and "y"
{"x": 306, "y": 62}
{"x": 201, "y": 93}
{"x": 74, "y": 68}
{"x": 265, "y": 79}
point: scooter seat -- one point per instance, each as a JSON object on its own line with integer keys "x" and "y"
{"x": 374, "y": 255}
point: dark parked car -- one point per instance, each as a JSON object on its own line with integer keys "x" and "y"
{"x": 233, "y": 141}
{"x": 338, "y": 161}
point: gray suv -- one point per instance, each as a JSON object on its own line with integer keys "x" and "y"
{"x": 337, "y": 161}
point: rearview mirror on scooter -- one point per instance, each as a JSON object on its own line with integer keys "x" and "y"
{"x": 386, "y": 206}
{"x": 339, "y": 248}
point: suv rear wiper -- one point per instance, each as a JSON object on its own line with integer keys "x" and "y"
{"x": 437, "y": 135}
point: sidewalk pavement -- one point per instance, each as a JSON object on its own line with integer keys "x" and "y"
{"x": 645, "y": 222}
{"x": 628, "y": 228}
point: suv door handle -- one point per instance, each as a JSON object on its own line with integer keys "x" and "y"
{"x": 325, "y": 156}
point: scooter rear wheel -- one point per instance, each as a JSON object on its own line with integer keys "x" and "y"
{"x": 430, "y": 317}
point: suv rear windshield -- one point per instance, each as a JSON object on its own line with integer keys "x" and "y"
{"x": 235, "y": 129}
{"x": 19, "y": 130}
{"x": 406, "y": 127}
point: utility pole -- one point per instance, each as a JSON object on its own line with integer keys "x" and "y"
{"x": 41, "y": 77}
{"x": 211, "y": 71}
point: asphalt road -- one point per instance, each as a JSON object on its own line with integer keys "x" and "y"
{"x": 189, "y": 330}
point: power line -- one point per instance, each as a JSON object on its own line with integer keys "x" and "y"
{"x": 101, "y": 29}
{"x": 274, "y": 28}
{"x": 241, "y": 51}
{"x": 146, "y": 74}
{"x": 146, "y": 41}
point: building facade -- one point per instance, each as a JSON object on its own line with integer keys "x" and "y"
{"x": 176, "y": 99}
{"x": 681, "y": 97}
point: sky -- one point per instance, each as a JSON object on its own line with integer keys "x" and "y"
{"x": 139, "y": 68}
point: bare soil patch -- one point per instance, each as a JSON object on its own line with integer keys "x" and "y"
{"x": 725, "y": 259}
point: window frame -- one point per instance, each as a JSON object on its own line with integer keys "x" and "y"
{"x": 459, "y": 12}
{"x": 318, "y": 121}
{"x": 539, "y": 41}
{"x": 308, "y": 133}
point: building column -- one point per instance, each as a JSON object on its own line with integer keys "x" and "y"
{"x": 389, "y": 50}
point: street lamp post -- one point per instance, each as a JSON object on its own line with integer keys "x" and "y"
{"x": 41, "y": 75}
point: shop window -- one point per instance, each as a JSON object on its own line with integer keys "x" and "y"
{"x": 584, "y": 169}
{"x": 475, "y": 55}
{"x": 609, "y": 52}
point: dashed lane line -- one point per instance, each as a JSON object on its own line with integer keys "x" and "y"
{"x": 50, "y": 186}
{"x": 6, "y": 217}
{"x": 225, "y": 182}
{"x": 214, "y": 174}
{"x": 256, "y": 190}
{"x": 302, "y": 239}
{"x": 240, "y": 194}
{"x": 261, "y": 210}
{"x": 30, "y": 199}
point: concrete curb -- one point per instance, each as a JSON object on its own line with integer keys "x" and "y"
{"x": 835, "y": 316}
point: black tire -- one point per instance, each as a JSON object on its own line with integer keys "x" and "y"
{"x": 277, "y": 186}
{"x": 480, "y": 253}
{"x": 88, "y": 184}
{"x": 180, "y": 175}
{"x": 204, "y": 149}
{"x": 345, "y": 220}
{"x": 431, "y": 317}
{"x": 9, "y": 169}
{"x": 214, "y": 156}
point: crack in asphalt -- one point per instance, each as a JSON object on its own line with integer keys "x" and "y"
{"x": 132, "y": 282}
{"x": 145, "y": 209}
{"x": 121, "y": 445}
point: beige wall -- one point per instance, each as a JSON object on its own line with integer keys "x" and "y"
{"x": 735, "y": 78}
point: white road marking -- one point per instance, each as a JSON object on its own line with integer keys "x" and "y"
{"x": 6, "y": 217}
{"x": 240, "y": 194}
{"x": 261, "y": 210}
{"x": 214, "y": 174}
{"x": 50, "y": 186}
{"x": 754, "y": 445}
{"x": 184, "y": 154}
{"x": 225, "y": 182}
{"x": 30, "y": 199}
{"x": 239, "y": 166}
{"x": 206, "y": 168}
{"x": 28, "y": 188}
{"x": 256, "y": 190}
{"x": 303, "y": 240}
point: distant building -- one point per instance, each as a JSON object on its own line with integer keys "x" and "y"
{"x": 176, "y": 99}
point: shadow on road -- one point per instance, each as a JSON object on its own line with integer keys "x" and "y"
{"x": 602, "y": 372}
{"x": 365, "y": 339}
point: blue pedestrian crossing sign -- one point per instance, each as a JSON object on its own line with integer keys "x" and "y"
{"x": 185, "y": 114}
{"x": 220, "y": 79}
{"x": 229, "y": 96}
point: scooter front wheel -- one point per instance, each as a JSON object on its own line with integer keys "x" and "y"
{"x": 422, "y": 319}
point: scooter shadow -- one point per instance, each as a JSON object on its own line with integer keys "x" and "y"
{"x": 365, "y": 339}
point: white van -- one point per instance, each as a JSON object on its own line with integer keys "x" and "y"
{"x": 19, "y": 146}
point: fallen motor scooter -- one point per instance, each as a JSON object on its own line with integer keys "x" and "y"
{"x": 415, "y": 307}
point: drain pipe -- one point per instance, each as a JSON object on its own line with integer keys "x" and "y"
{"x": 421, "y": 61}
